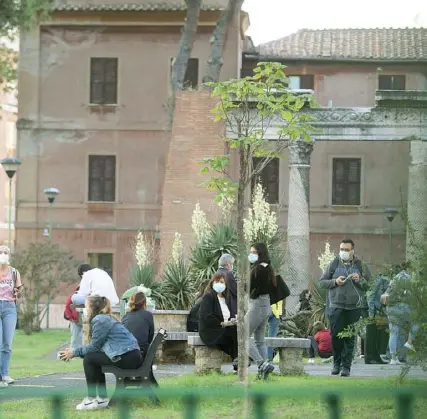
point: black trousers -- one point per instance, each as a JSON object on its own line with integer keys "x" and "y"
{"x": 228, "y": 341}
{"x": 374, "y": 342}
{"x": 343, "y": 348}
{"x": 93, "y": 363}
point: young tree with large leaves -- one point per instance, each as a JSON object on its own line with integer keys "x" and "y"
{"x": 251, "y": 107}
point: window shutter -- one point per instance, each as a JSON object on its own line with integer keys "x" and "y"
{"x": 346, "y": 181}
{"x": 102, "y": 178}
{"x": 307, "y": 82}
{"x": 269, "y": 179}
{"x": 110, "y": 179}
{"x": 103, "y": 81}
{"x": 246, "y": 72}
{"x": 385, "y": 83}
{"x": 399, "y": 82}
{"x": 191, "y": 79}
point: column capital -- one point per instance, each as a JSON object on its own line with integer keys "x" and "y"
{"x": 300, "y": 152}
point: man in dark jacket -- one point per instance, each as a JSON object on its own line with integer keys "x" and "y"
{"x": 225, "y": 264}
{"x": 347, "y": 281}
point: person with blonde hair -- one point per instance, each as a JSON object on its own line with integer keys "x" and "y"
{"x": 10, "y": 290}
{"x": 110, "y": 343}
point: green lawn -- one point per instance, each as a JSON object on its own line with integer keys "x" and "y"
{"x": 29, "y": 352}
{"x": 294, "y": 398}
{"x": 299, "y": 397}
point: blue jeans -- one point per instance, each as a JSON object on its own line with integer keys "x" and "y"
{"x": 78, "y": 300}
{"x": 273, "y": 327}
{"x": 8, "y": 317}
{"x": 399, "y": 318}
{"x": 76, "y": 335}
{"x": 258, "y": 312}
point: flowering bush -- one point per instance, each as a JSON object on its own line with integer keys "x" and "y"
{"x": 325, "y": 257}
{"x": 199, "y": 223}
{"x": 261, "y": 223}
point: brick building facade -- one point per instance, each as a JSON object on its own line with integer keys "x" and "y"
{"x": 93, "y": 88}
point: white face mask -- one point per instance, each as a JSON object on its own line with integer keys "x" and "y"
{"x": 218, "y": 287}
{"x": 4, "y": 259}
{"x": 344, "y": 255}
{"x": 252, "y": 257}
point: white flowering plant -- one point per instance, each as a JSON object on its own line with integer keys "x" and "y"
{"x": 177, "y": 284}
{"x": 326, "y": 257}
{"x": 212, "y": 240}
{"x": 142, "y": 273}
{"x": 261, "y": 226}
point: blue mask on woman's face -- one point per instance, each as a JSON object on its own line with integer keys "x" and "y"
{"x": 252, "y": 257}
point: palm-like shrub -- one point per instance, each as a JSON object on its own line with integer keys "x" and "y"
{"x": 178, "y": 286}
{"x": 219, "y": 239}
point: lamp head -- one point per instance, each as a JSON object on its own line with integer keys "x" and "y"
{"x": 51, "y": 194}
{"x": 10, "y": 165}
{"x": 391, "y": 213}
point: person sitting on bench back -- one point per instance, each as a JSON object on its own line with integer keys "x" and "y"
{"x": 110, "y": 343}
{"x": 139, "y": 321}
{"x": 94, "y": 281}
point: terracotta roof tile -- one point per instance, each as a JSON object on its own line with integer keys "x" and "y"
{"x": 140, "y": 6}
{"x": 350, "y": 44}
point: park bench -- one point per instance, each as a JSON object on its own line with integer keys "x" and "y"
{"x": 290, "y": 354}
{"x": 175, "y": 348}
{"x": 142, "y": 376}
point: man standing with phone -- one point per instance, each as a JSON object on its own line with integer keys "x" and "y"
{"x": 347, "y": 280}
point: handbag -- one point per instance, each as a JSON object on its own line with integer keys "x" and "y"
{"x": 280, "y": 291}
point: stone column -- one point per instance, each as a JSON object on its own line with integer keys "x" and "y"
{"x": 417, "y": 197}
{"x": 298, "y": 260}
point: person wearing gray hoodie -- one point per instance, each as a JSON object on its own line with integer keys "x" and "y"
{"x": 347, "y": 280}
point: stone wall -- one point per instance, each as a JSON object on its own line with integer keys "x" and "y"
{"x": 194, "y": 137}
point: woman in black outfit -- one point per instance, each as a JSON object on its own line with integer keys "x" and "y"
{"x": 140, "y": 323}
{"x": 215, "y": 328}
{"x": 262, "y": 278}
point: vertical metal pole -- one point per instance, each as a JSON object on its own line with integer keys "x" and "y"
{"x": 405, "y": 406}
{"x": 390, "y": 242}
{"x": 334, "y": 406}
{"x": 50, "y": 241}
{"x": 9, "y": 241}
{"x": 190, "y": 402}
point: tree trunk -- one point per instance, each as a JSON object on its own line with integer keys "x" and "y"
{"x": 299, "y": 219}
{"x": 218, "y": 40}
{"x": 179, "y": 67}
{"x": 243, "y": 277}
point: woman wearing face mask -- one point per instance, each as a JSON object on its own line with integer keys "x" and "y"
{"x": 10, "y": 289}
{"x": 215, "y": 327}
{"x": 262, "y": 277}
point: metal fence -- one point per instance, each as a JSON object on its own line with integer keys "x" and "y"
{"x": 404, "y": 400}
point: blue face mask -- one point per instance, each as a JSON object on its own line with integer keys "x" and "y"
{"x": 252, "y": 257}
{"x": 218, "y": 287}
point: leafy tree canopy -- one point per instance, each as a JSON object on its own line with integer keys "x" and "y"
{"x": 16, "y": 15}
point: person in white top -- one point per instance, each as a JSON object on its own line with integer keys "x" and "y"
{"x": 94, "y": 281}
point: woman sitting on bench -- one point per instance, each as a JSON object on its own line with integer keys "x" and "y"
{"x": 110, "y": 343}
{"x": 140, "y": 323}
{"x": 217, "y": 323}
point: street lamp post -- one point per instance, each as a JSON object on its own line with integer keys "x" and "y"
{"x": 390, "y": 213}
{"x": 10, "y": 166}
{"x": 51, "y": 194}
